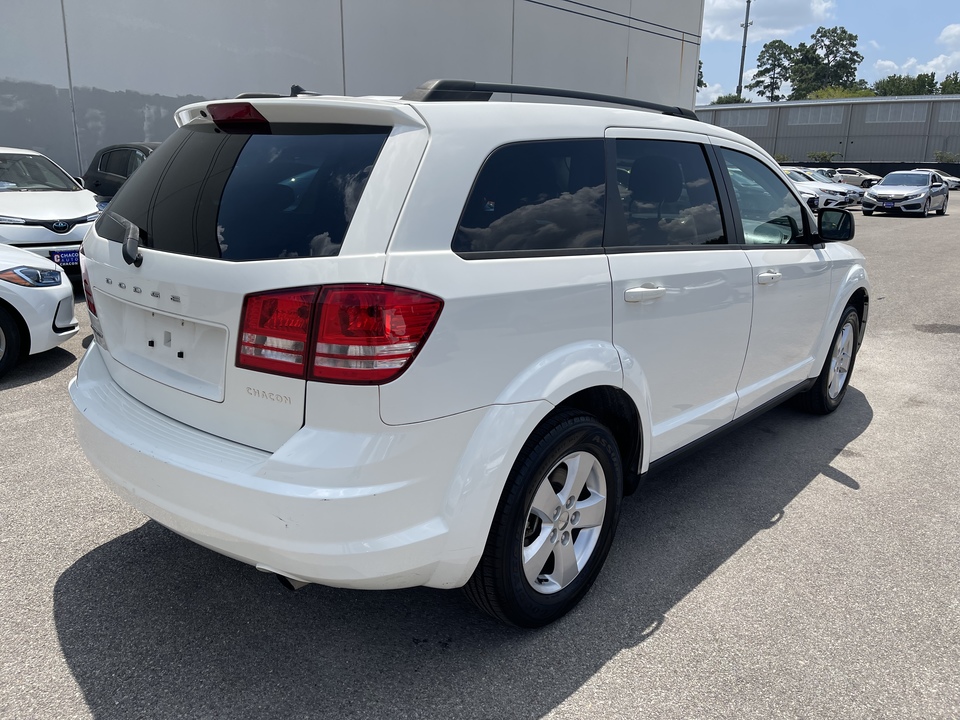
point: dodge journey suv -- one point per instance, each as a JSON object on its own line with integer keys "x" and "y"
{"x": 436, "y": 339}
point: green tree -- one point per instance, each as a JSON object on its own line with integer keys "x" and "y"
{"x": 922, "y": 84}
{"x": 950, "y": 85}
{"x": 835, "y": 93}
{"x": 823, "y": 156}
{"x": 830, "y": 60}
{"x": 700, "y": 81}
{"x": 731, "y": 99}
{"x": 773, "y": 69}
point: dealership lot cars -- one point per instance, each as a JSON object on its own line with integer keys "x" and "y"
{"x": 914, "y": 191}
{"x": 42, "y": 209}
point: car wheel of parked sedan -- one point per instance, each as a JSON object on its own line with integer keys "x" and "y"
{"x": 867, "y": 212}
{"x": 831, "y": 385}
{"x": 926, "y": 209}
{"x": 554, "y": 525}
{"x": 9, "y": 342}
{"x": 943, "y": 208}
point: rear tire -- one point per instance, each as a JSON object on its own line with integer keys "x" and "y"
{"x": 554, "y": 525}
{"x": 9, "y": 342}
{"x": 827, "y": 393}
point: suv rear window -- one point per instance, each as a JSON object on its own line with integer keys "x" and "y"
{"x": 239, "y": 196}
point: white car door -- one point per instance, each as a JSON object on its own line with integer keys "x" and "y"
{"x": 681, "y": 295}
{"x": 791, "y": 281}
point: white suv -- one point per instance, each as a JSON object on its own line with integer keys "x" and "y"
{"x": 434, "y": 340}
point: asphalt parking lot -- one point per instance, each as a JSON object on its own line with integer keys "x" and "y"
{"x": 799, "y": 567}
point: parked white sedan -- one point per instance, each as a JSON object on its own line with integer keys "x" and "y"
{"x": 36, "y": 306}
{"x": 42, "y": 208}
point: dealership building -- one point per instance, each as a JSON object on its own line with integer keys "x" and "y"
{"x": 115, "y": 71}
{"x": 875, "y": 132}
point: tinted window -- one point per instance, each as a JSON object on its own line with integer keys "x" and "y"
{"x": 667, "y": 193}
{"x": 115, "y": 162}
{"x": 247, "y": 197}
{"x": 770, "y": 213}
{"x": 536, "y": 196}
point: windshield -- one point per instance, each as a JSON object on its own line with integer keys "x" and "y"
{"x": 21, "y": 173}
{"x": 797, "y": 176}
{"x": 906, "y": 178}
{"x": 822, "y": 176}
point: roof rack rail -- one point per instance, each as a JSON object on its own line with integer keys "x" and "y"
{"x": 462, "y": 90}
{"x": 245, "y": 95}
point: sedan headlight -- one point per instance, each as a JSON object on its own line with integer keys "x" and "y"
{"x": 914, "y": 196}
{"x": 7, "y": 220}
{"x": 31, "y": 276}
{"x": 870, "y": 194}
{"x": 834, "y": 192}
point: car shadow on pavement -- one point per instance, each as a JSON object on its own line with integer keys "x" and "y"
{"x": 38, "y": 367}
{"x": 152, "y": 625}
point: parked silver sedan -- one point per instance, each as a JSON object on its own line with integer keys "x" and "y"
{"x": 911, "y": 191}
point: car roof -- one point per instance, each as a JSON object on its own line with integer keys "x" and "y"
{"x": 149, "y": 146}
{"x": 19, "y": 151}
{"x": 508, "y": 121}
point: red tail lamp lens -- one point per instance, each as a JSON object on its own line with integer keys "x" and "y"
{"x": 275, "y": 331}
{"x": 369, "y": 334}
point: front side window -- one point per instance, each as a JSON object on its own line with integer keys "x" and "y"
{"x": 667, "y": 194}
{"x": 534, "y": 197}
{"x": 115, "y": 162}
{"x": 238, "y": 196}
{"x": 769, "y": 212}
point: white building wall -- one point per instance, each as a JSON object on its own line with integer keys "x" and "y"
{"x": 122, "y": 66}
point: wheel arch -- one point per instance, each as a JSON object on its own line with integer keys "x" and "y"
{"x": 21, "y": 327}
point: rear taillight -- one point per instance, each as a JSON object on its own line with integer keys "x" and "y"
{"x": 275, "y": 331}
{"x": 370, "y": 333}
{"x": 354, "y": 334}
{"x": 87, "y": 288}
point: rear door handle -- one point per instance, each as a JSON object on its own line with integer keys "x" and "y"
{"x": 768, "y": 277}
{"x": 647, "y": 291}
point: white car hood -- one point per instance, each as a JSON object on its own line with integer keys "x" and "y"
{"x": 11, "y": 257}
{"x": 47, "y": 204}
{"x": 898, "y": 189}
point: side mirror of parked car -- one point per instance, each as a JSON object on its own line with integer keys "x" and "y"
{"x": 80, "y": 180}
{"x": 835, "y": 224}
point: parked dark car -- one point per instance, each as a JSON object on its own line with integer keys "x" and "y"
{"x": 112, "y": 165}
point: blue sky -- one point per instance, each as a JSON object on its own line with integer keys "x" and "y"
{"x": 894, "y": 37}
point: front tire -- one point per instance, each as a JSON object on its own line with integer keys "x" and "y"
{"x": 554, "y": 525}
{"x": 827, "y": 393}
{"x": 926, "y": 209}
{"x": 9, "y": 342}
{"x": 943, "y": 208}
{"x": 868, "y": 213}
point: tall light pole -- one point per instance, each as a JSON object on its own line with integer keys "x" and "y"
{"x": 743, "y": 52}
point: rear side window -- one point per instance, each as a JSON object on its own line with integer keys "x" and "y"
{"x": 240, "y": 197}
{"x": 668, "y": 194}
{"x": 536, "y": 197}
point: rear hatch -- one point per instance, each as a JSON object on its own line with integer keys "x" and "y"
{"x": 241, "y": 216}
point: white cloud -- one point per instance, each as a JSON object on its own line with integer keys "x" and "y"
{"x": 887, "y": 67}
{"x": 950, "y": 35}
{"x": 874, "y": 44}
{"x": 771, "y": 19}
{"x": 942, "y": 65}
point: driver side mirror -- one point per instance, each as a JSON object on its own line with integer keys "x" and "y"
{"x": 835, "y": 224}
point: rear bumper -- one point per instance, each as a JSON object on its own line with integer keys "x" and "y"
{"x": 341, "y": 508}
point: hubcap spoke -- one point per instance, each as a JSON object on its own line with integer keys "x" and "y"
{"x": 565, "y": 563}
{"x": 579, "y": 467}
{"x": 545, "y": 501}
{"x": 591, "y": 512}
{"x": 536, "y": 554}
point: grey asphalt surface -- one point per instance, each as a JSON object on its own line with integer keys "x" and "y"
{"x": 800, "y": 567}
